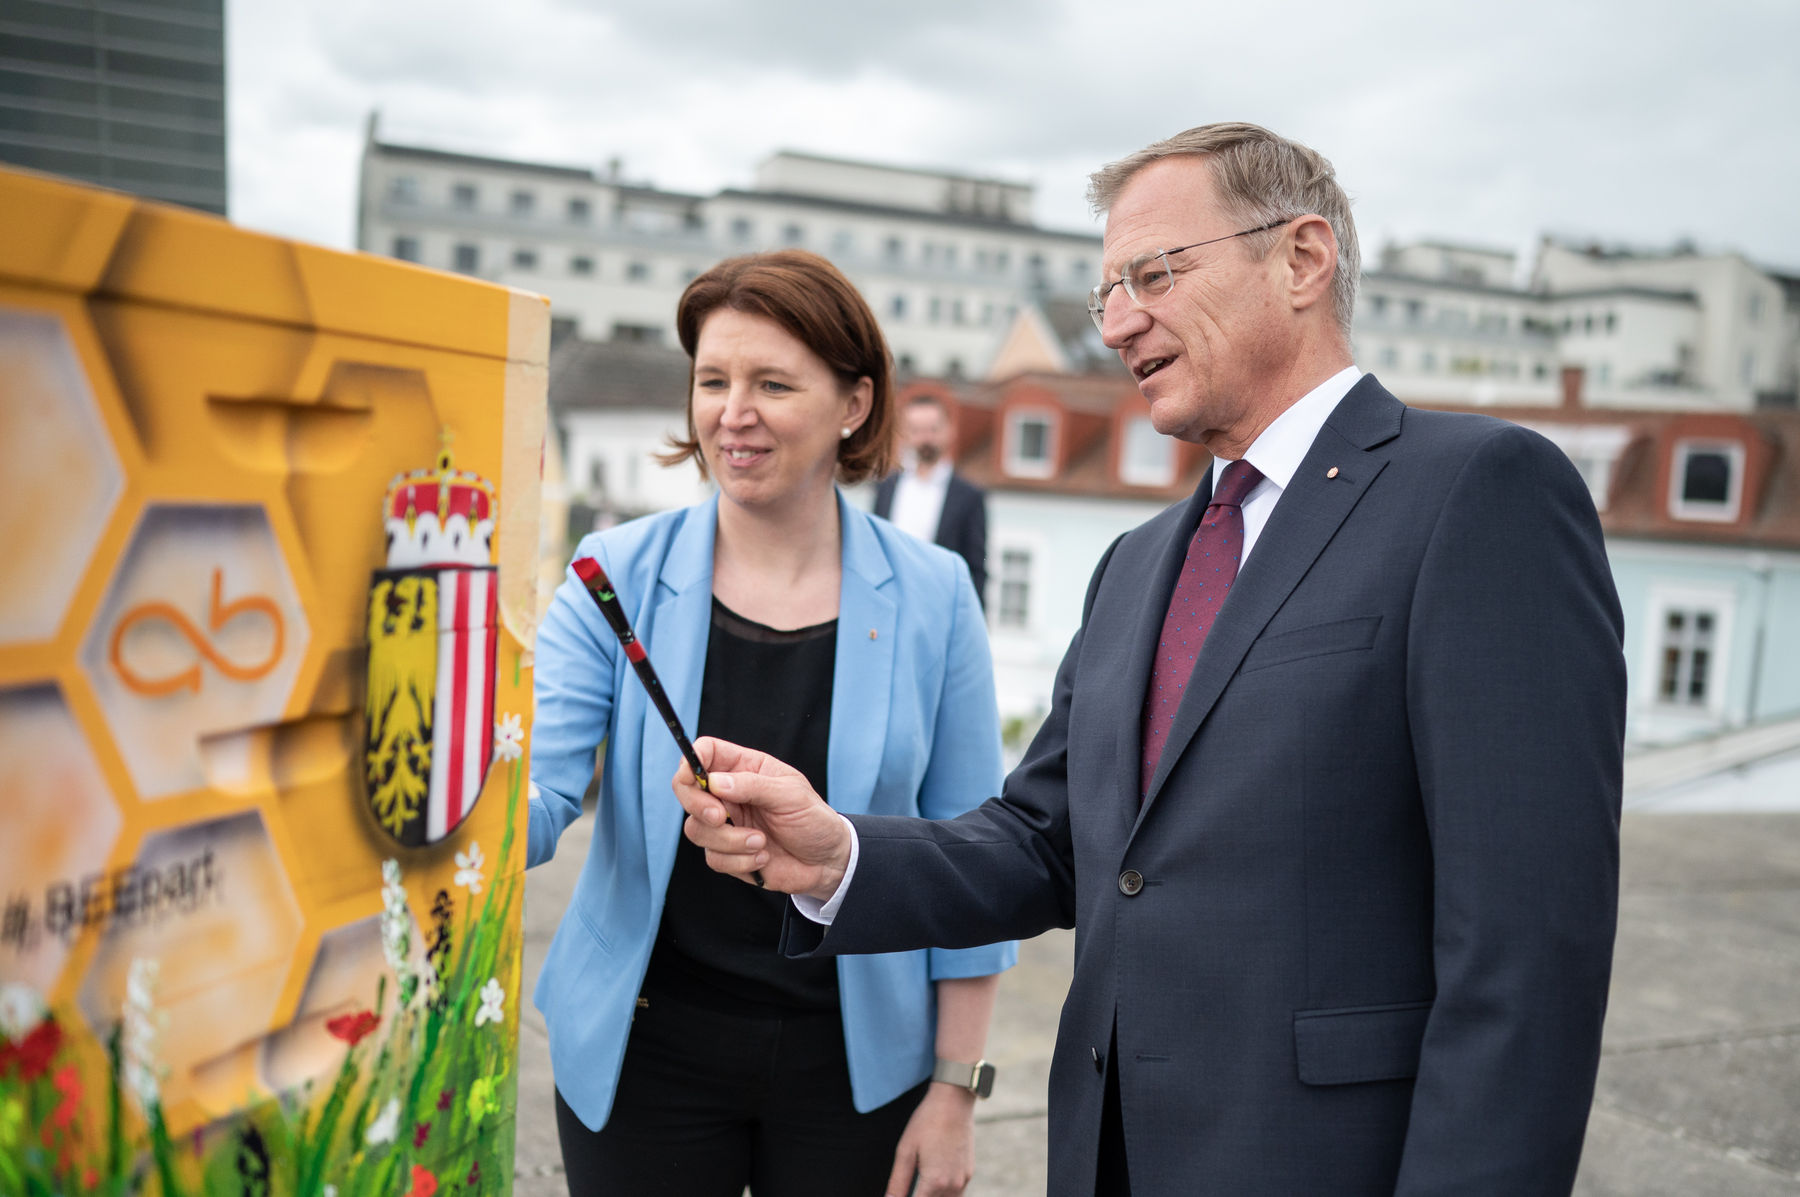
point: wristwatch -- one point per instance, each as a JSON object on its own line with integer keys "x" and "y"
{"x": 977, "y": 1078}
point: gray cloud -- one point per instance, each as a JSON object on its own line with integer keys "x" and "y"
{"x": 1642, "y": 121}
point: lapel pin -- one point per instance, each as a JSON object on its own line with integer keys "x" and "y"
{"x": 1332, "y": 472}
{"x": 871, "y": 633}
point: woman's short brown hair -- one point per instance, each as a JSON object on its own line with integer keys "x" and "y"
{"x": 811, "y": 299}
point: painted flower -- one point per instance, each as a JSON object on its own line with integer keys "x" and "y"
{"x": 493, "y": 1001}
{"x": 396, "y": 930}
{"x": 424, "y": 1184}
{"x": 445, "y": 1098}
{"x": 20, "y": 1009}
{"x": 474, "y": 1174}
{"x": 468, "y": 868}
{"x": 386, "y": 1126}
{"x": 12, "y": 1121}
{"x": 353, "y": 1028}
{"x": 328, "y": 1191}
{"x": 68, "y": 1083}
{"x": 421, "y": 1133}
{"x": 142, "y": 1034}
{"x": 509, "y": 738}
{"x": 32, "y": 1054}
{"x": 481, "y": 1098}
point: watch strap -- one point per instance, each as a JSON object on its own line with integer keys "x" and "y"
{"x": 977, "y": 1078}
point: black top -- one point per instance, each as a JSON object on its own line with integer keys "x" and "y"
{"x": 770, "y": 690}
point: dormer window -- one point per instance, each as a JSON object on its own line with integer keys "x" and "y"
{"x": 1030, "y": 443}
{"x": 1707, "y": 482}
{"x": 1146, "y": 457}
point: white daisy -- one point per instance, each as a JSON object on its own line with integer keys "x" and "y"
{"x": 509, "y": 738}
{"x": 386, "y": 1125}
{"x": 468, "y": 868}
{"x": 493, "y": 999}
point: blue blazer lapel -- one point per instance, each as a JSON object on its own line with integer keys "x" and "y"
{"x": 863, "y": 675}
{"x": 1303, "y": 523}
{"x": 676, "y": 643}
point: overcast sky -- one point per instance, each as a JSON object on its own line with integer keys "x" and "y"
{"x": 1639, "y": 122}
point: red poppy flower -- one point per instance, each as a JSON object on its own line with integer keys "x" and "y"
{"x": 34, "y": 1052}
{"x": 353, "y": 1028}
{"x": 424, "y": 1184}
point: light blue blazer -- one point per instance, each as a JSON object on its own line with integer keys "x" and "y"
{"x": 914, "y": 730}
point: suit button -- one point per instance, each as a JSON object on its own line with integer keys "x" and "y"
{"x": 1130, "y": 882}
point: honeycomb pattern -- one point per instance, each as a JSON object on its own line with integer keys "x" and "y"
{"x": 55, "y": 884}
{"x": 59, "y": 476}
{"x": 197, "y": 642}
{"x": 197, "y": 427}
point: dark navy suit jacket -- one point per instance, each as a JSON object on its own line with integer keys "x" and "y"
{"x": 962, "y": 528}
{"x": 1357, "y": 937}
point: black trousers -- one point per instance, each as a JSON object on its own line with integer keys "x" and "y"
{"x": 710, "y": 1102}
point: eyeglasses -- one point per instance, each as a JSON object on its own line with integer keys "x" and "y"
{"x": 1149, "y": 276}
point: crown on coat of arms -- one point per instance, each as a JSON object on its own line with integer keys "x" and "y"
{"x": 441, "y": 516}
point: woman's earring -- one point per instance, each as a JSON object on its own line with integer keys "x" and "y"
{"x": 844, "y": 434}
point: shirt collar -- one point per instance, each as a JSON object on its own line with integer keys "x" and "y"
{"x": 1283, "y": 445}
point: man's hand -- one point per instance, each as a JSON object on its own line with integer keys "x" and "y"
{"x": 938, "y": 1146}
{"x": 778, "y": 825}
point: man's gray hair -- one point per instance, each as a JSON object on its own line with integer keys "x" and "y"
{"x": 1261, "y": 178}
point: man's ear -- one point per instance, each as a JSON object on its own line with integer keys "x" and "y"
{"x": 1312, "y": 259}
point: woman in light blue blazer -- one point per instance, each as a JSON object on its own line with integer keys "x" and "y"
{"x": 776, "y": 611}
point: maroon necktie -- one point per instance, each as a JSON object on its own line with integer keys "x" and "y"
{"x": 1206, "y": 576}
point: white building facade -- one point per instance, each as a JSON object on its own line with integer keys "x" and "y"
{"x": 946, "y": 260}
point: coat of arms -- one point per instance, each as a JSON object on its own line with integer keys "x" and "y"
{"x": 429, "y": 713}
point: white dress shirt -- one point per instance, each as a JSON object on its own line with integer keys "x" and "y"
{"x": 919, "y": 500}
{"x": 1276, "y": 453}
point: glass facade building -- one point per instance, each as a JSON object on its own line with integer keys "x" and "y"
{"x": 128, "y": 94}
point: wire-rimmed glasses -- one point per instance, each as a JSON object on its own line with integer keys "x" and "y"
{"x": 1149, "y": 276}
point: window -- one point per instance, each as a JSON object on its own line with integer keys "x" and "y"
{"x": 467, "y": 258}
{"x": 1686, "y": 656}
{"x": 792, "y": 234}
{"x": 579, "y": 211}
{"x": 1378, "y": 305}
{"x": 637, "y": 272}
{"x": 906, "y": 364}
{"x": 956, "y": 311}
{"x": 1707, "y": 481}
{"x": 1034, "y": 265}
{"x": 843, "y": 242}
{"x": 1594, "y": 450}
{"x": 1146, "y": 457}
{"x": 1428, "y": 361}
{"x": 524, "y": 259}
{"x": 406, "y": 249}
{"x": 1078, "y": 270}
{"x": 928, "y": 252}
{"x": 1612, "y": 322}
{"x": 934, "y": 309}
{"x": 637, "y": 334}
{"x": 1389, "y": 356}
{"x": 897, "y": 307}
{"x": 1415, "y": 311}
{"x": 1013, "y": 610}
{"x": 1030, "y": 446}
{"x": 463, "y": 197}
{"x": 521, "y": 203}
{"x": 1755, "y": 307}
{"x": 742, "y": 230}
{"x": 953, "y": 368}
{"x": 950, "y": 256}
{"x": 1748, "y": 368}
{"x": 403, "y": 189}
{"x": 1002, "y": 261}
{"x": 895, "y": 249}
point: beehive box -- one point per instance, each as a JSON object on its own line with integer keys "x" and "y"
{"x": 268, "y": 529}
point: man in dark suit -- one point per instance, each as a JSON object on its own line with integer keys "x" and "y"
{"x": 928, "y": 498}
{"x": 1330, "y": 783}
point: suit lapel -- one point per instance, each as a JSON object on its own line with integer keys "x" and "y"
{"x": 676, "y": 641}
{"x": 1304, "y": 520}
{"x": 862, "y": 677}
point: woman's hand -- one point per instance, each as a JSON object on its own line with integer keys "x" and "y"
{"x": 938, "y": 1146}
